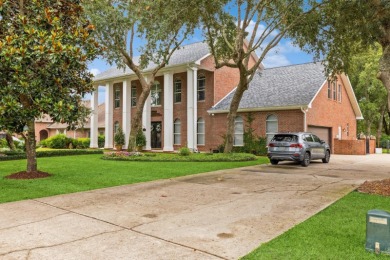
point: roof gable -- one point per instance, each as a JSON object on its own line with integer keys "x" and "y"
{"x": 289, "y": 86}
{"x": 186, "y": 54}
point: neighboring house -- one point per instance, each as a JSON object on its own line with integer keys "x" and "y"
{"x": 45, "y": 127}
{"x": 190, "y": 99}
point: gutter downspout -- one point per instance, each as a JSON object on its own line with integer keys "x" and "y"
{"x": 304, "y": 111}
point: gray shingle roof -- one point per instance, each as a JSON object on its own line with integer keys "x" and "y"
{"x": 186, "y": 54}
{"x": 294, "y": 85}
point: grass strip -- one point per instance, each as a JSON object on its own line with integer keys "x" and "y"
{"x": 88, "y": 172}
{"x": 337, "y": 232}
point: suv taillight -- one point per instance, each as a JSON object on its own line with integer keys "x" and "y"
{"x": 296, "y": 145}
{"x": 271, "y": 145}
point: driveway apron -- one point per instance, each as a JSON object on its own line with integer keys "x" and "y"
{"x": 217, "y": 215}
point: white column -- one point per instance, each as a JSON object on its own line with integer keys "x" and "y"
{"x": 94, "y": 119}
{"x": 190, "y": 109}
{"x": 109, "y": 116}
{"x": 126, "y": 113}
{"x": 195, "y": 84}
{"x": 168, "y": 112}
{"x": 146, "y": 121}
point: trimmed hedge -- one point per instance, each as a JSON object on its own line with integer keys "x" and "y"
{"x": 194, "y": 157}
{"x": 11, "y": 155}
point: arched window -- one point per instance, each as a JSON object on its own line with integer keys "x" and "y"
{"x": 201, "y": 87}
{"x": 238, "y": 131}
{"x": 116, "y": 126}
{"x": 155, "y": 94}
{"x": 271, "y": 127}
{"x": 177, "y": 91}
{"x": 200, "y": 127}
{"x": 177, "y": 131}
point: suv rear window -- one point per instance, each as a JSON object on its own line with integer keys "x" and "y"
{"x": 285, "y": 138}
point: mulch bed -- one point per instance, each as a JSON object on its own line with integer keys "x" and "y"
{"x": 28, "y": 175}
{"x": 381, "y": 187}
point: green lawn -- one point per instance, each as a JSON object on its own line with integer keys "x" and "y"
{"x": 338, "y": 232}
{"x": 87, "y": 172}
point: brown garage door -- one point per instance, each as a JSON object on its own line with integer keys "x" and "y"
{"x": 322, "y": 132}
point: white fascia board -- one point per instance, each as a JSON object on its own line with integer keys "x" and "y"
{"x": 318, "y": 91}
{"x": 351, "y": 96}
{"x": 259, "y": 109}
{"x": 204, "y": 57}
{"x": 225, "y": 97}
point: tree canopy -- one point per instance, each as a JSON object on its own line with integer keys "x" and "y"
{"x": 44, "y": 49}
{"x": 341, "y": 29}
{"x": 241, "y": 29}
{"x": 161, "y": 27}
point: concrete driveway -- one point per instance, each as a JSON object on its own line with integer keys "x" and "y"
{"x": 217, "y": 215}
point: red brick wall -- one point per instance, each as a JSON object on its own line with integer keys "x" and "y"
{"x": 225, "y": 79}
{"x": 352, "y": 147}
{"x": 288, "y": 121}
{"x": 38, "y": 127}
{"x": 332, "y": 113}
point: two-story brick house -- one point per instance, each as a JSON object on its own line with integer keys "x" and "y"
{"x": 190, "y": 99}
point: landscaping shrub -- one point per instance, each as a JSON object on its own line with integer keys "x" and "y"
{"x": 16, "y": 155}
{"x": 184, "y": 151}
{"x": 384, "y": 140}
{"x": 3, "y": 143}
{"x": 193, "y": 157}
{"x": 82, "y": 143}
{"x": 58, "y": 142}
{"x": 101, "y": 140}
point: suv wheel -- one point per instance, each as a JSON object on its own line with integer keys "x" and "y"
{"x": 274, "y": 162}
{"x": 327, "y": 157}
{"x": 306, "y": 160}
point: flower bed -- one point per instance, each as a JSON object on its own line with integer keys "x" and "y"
{"x": 12, "y": 155}
{"x": 165, "y": 157}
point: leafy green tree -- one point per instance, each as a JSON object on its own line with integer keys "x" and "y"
{"x": 369, "y": 90}
{"x": 256, "y": 26}
{"x": 44, "y": 49}
{"x": 161, "y": 26}
{"x": 343, "y": 28}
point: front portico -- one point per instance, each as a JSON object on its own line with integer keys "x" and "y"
{"x": 121, "y": 95}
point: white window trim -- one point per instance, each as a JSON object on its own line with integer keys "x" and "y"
{"x": 237, "y": 134}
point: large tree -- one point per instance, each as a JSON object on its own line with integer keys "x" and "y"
{"x": 344, "y": 28}
{"x": 369, "y": 90}
{"x": 44, "y": 49}
{"x": 160, "y": 26}
{"x": 243, "y": 28}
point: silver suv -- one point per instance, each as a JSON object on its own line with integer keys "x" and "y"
{"x": 300, "y": 147}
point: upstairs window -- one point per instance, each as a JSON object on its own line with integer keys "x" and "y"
{"x": 155, "y": 94}
{"x": 117, "y": 97}
{"x": 133, "y": 96}
{"x": 339, "y": 93}
{"x": 201, "y": 88}
{"x": 329, "y": 90}
{"x": 334, "y": 90}
{"x": 177, "y": 91}
{"x": 238, "y": 131}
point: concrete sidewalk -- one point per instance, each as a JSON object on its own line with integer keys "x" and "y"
{"x": 217, "y": 215}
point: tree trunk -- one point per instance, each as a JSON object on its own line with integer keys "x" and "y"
{"x": 10, "y": 142}
{"x": 384, "y": 71}
{"x": 380, "y": 127}
{"x": 30, "y": 148}
{"x": 385, "y": 126}
{"x": 242, "y": 86}
{"x": 368, "y": 128}
{"x": 136, "y": 122}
